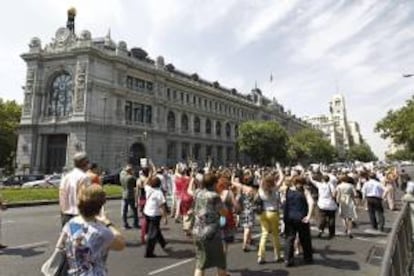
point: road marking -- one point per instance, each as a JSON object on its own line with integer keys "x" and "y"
{"x": 8, "y": 222}
{"x": 170, "y": 266}
{"x": 29, "y": 245}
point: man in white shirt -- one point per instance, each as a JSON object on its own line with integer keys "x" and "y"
{"x": 373, "y": 191}
{"x": 70, "y": 186}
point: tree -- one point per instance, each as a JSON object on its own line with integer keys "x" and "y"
{"x": 10, "y": 113}
{"x": 401, "y": 154}
{"x": 361, "y": 153}
{"x": 398, "y": 125}
{"x": 309, "y": 146}
{"x": 263, "y": 141}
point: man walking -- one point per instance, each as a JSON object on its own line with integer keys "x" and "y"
{"x": 70, "y": 186}
{"x": 128, "y": 181}
{"x": 373, "y": 192}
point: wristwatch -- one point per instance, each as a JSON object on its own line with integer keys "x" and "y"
{"x": 109, "y": 224}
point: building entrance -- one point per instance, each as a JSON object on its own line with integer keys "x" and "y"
{"x": 136, "y": 152}
{"x": 56, "y": 153}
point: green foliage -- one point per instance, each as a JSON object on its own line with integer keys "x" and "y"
{"x": 402, "y": 154}
{"x": 361, "y": 153}
{"x": 10, "y": 113}
{"x": 263, "y": 141}
{"x": 309, "y": 146}
{"x": 398, "y": 125}
{"x": 13, "y": 195}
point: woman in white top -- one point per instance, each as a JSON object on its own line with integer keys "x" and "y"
{"x": 154, "y": 210}
{"x": 327, "y": 205}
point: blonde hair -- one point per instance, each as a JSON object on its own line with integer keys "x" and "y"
{"x": 90, "y": 200}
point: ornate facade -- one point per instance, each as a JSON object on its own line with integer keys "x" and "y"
{"x": 118, "y": 105}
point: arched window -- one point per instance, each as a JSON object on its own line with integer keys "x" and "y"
{"x": 236, "y": 131}
{"x": 60, "y": 96}
{"x": 208, "y": 126}
{"x": 228, "y": 130}
{"x": 184, "y": 123}
{"x": 218, "y": 128}
{"x": 196, "y": 124}
{"x": 171, "y": 121}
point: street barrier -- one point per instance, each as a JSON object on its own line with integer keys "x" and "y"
{"x": 398, "y": 253}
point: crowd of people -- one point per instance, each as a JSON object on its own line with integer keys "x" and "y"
{"x": 214, "y": 204}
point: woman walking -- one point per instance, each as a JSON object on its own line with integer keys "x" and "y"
{"x": 327, "y": 205}
{"x": 208, "y": 208}
{"x": 345, "y": 195}
{"x": 389, "y": 191}
{"x": 297, "y": 212}
{"x": 154, "y": 210}
{"x": 269, "y": 218}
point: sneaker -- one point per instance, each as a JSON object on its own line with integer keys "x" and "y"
{"x": 279, "y": 259}
{"x": 350, "y": 236}
{"x": 2, "y": 246}
{"x": 260, "y": 261}
{"x": 289, "y": 264}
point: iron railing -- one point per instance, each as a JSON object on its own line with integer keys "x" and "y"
{"x": 398, "y": 253}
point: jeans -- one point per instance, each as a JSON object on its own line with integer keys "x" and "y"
{"x": 376, "y": 210}
{"x": 154, "y": 234}
{"x": 269, "y": 222}
{"x": 131, "y": 204}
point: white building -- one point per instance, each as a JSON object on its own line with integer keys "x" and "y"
{"x": 341, "y": 133}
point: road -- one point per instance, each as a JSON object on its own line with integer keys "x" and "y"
{"x": 31, "y": 234}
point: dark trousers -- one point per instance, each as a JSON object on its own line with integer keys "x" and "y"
{"x": 154, "y": 234}
{"x": 376, "y": 211}
{"x": 292, "y": 228}
{"x": 64, "y": 218}
{"x": 327, "y": 217}
{"x": 131, "y": 204}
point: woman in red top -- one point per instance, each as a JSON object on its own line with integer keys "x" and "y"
{"x": 182, "y": 181}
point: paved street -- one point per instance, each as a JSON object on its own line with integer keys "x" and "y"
{"x": 32, "y": 232}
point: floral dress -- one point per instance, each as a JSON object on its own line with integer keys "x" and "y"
{"x": 207, "y": 237}
{"x": 247, "y": 215}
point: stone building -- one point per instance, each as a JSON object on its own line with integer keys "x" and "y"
{"x": 338, "y": 130}
{"x": 117, "y": 104}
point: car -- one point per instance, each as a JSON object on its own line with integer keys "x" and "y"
{"x": 18, "y": 180}
{"x": 112, "y": 178}
{"x": 49, "y": 181}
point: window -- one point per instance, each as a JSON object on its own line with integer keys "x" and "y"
{"x": 184, "y": 123}
{"x": 185, "y": 151}
{"x": 148, "y": 114}
{"x": 169, "y": 93}
{"x": 194, "y": 99}
{"x": 182, "y": 97}
{"x": 60, "y": 96}
{"x": 187, "y": 100}
{"x": 205, "y": 103}
{"x": 149, "y": 85}
{"x": 130, "y": 82}
{"x": 215, "y": 106}
{"x": 174, "y": 95}
{"x": 171, "y": 121}
{"x": 196, "y": 124}
{"x": 138, "y": 113}
{"x": 228, "y": 130}
{"x": 218, "y": 128}
{"x": 128, "y": 111}
{"x": 208, "y": 126}
{"x": 199, "y": 102}
{"x": 236, "y": 131}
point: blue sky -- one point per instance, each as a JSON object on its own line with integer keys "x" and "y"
{"x": 313, "y": 49}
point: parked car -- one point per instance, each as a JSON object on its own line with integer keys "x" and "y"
{"x": 20, "y": 179}
{"x": 111, "y": 178}
{"x": 49, "y": 181}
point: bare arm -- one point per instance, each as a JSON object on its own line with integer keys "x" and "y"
{"x": 190, "y": 189}
{"x": 311, "y": 205}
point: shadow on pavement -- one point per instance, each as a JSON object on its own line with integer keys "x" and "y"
{"x": 263, "y": 272}
{"x": 24, "y": 252}
{"x": 341, "y": 264}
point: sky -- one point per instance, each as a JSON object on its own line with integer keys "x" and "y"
{"x": 312, "y": 49}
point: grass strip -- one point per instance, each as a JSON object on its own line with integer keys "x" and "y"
{"x": 13, "y": 195}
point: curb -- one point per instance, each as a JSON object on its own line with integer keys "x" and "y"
{"x": 44, "y": 202}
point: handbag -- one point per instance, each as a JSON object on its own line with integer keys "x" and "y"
{"x": 56, "y": 265}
